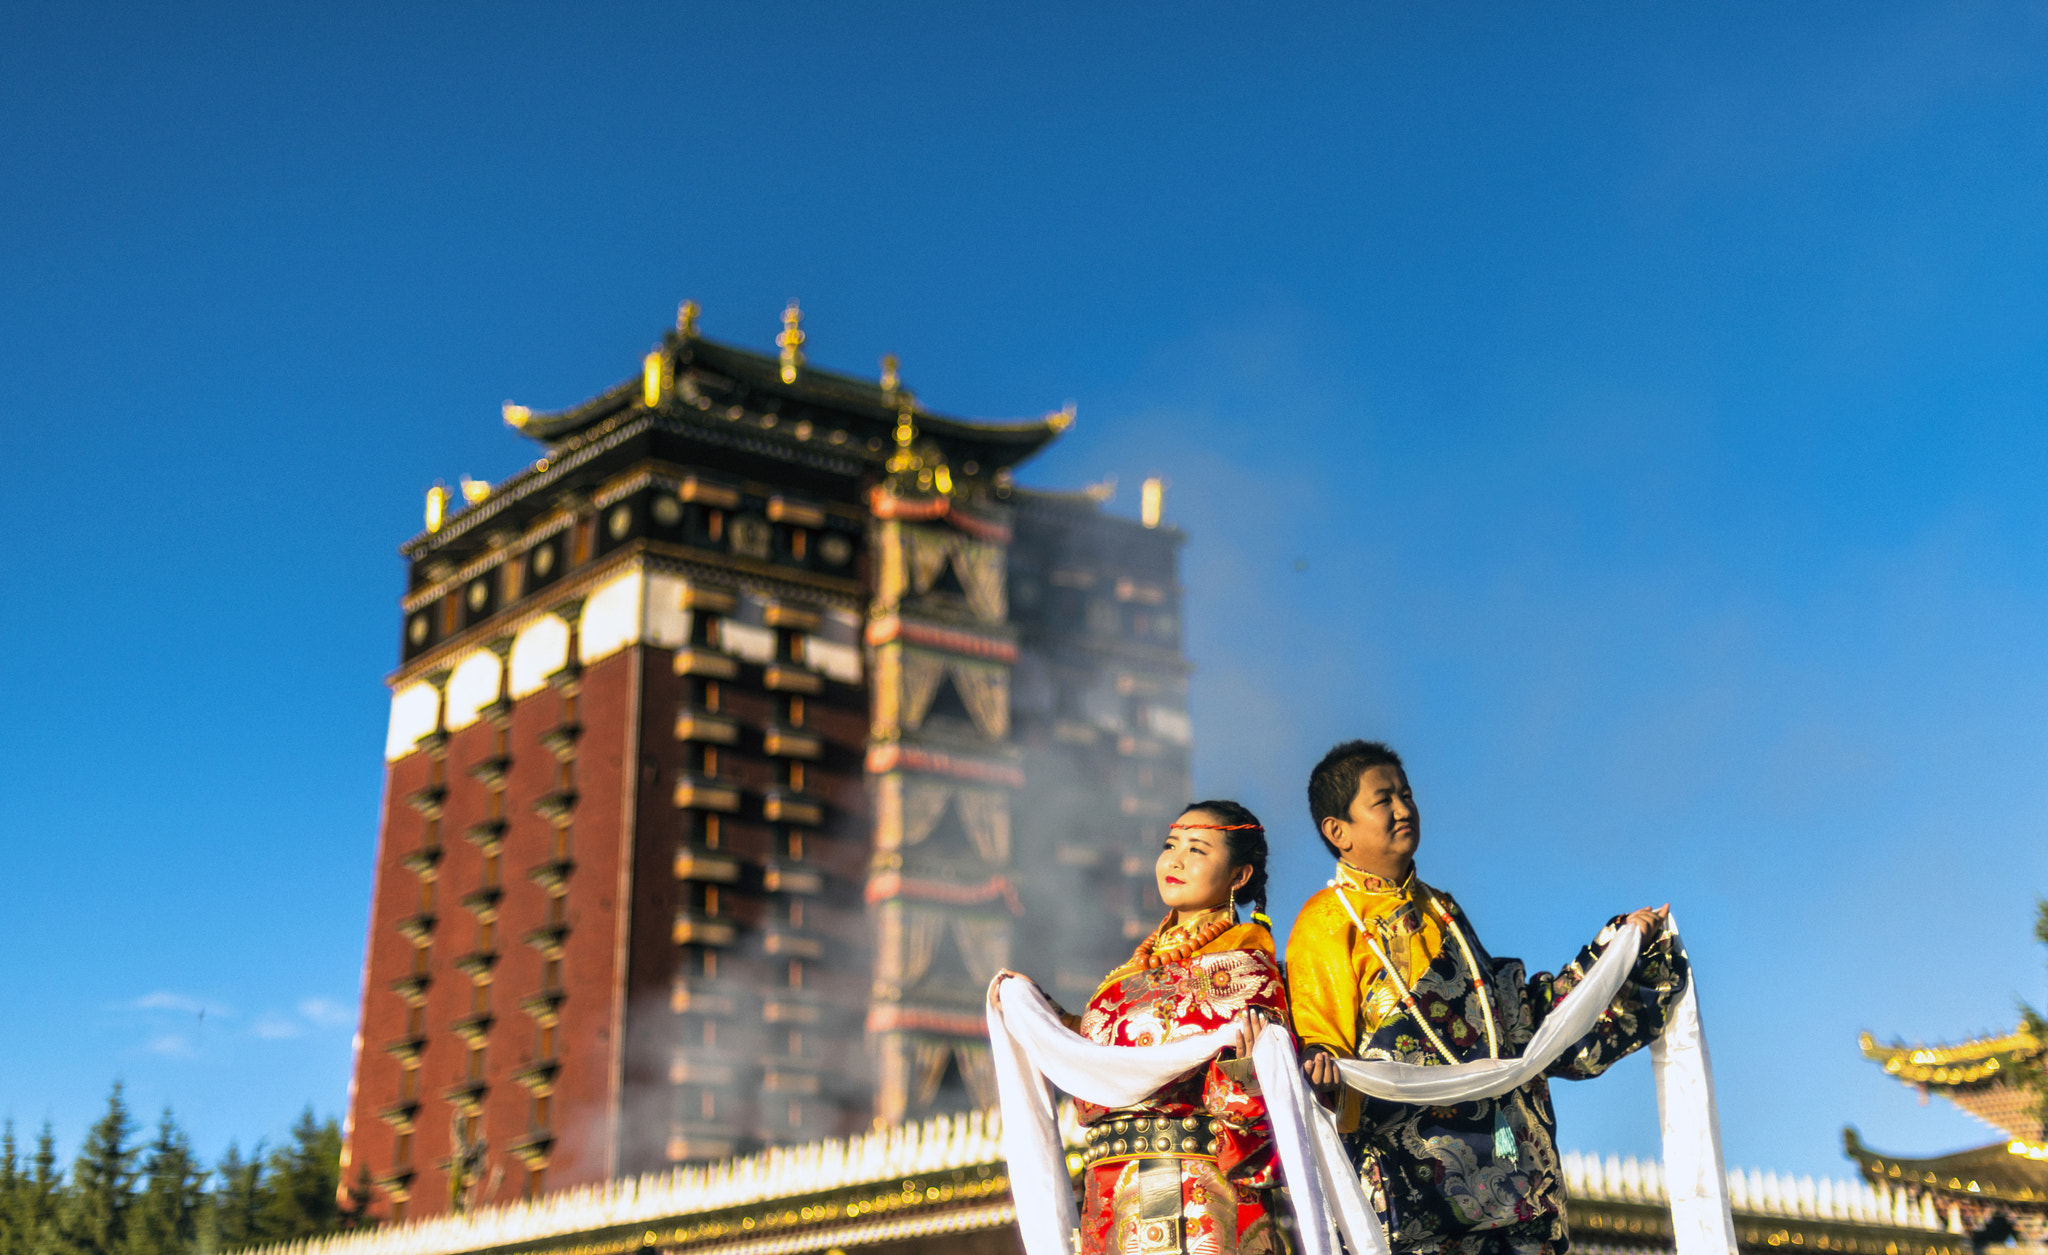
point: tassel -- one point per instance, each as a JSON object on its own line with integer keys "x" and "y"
{"x": 1504, "y": 1139}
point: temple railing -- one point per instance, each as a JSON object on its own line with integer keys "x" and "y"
{"x": 945, "y": 1179}
{"x": 1616, "y": 1179}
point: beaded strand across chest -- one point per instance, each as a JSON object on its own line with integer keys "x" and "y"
{"x": 1401, "y": 986}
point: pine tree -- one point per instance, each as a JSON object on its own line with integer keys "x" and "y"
{"x": 2035, "y": 1072}
{"x": 42, "y": 1197}
{"x": 234, "y": 1215}
{"x": 164, "y": 1218}
{"x": 304, "y": 1182}
{"x": 94, "y": 1218}
{"x": 11, "y": 1186}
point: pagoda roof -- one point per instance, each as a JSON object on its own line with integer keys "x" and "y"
{"x": 1991, "y": 1078}
{"x": 1971, "y": 1062}
{"x": 737, "y": 376}
{"x": 826, "y": 427}
{"x": 2003, "y": 1172}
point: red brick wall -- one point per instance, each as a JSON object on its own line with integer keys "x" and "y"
{"x": 584, "y": 1098}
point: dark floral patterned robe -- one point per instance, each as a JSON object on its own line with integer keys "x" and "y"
{"x": 1477, "y": 1178}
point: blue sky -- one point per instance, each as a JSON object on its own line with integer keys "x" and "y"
{"x": 1633, "y": 412}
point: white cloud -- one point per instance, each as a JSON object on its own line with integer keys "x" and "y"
{"x": 326, "y": 1013}
{"x": 175, "y": 1044}
{"x": 273, "y": 1027}
{"x": 184, "y": 1004}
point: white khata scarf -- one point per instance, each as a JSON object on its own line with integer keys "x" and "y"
{"x": 1034, "y": 1052}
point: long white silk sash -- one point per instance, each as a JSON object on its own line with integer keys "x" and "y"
{"x": 1693, "y": 1170}
{"x": 1443, "y": 1085}
{"x": 1031, "y": 1048}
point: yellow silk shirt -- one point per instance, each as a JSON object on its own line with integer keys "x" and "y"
{"x": 1338, "y": 990}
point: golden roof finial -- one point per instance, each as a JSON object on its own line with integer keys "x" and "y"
{"x": 792, "y": 342}
{"x": 516, "y": 415}
{"x": 1063, "y": 419}
{"x": 890, "y": 379}
{"x": 656, "y": 373}
{"x": 437, "y": 507}
{"x": 475, "y": 490}
{"x": 1151, "y": 501}
{"x": 686, "y": 320}
{"x": 906, "y": 435}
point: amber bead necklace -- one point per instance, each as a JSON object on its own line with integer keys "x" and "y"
{"x": 1149, "y": 955}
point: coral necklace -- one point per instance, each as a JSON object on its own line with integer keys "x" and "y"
{"x": 1147, "y": 954}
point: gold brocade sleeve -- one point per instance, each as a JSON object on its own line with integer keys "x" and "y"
{"x": 1327, "y": 970}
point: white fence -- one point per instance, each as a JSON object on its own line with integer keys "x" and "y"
{"x": 1750, "y": 1192}
{"x": 970, "y": 1140}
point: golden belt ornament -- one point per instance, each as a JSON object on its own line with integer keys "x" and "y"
{"x": 1151, "y": 1137}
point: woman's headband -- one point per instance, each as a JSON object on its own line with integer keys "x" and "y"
{"x": 1221, "y": 827}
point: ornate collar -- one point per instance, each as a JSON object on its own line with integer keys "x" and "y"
{"x": 1189, "y": 925}
{"x": 1365, "y": 882}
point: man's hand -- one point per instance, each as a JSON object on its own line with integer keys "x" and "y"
{"x": 1320, "y": 1067}
{"x": 1652, "y": 920}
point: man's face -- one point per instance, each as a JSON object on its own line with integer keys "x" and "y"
{"x": 1384, "y": 827}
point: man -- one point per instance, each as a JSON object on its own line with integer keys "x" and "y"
{"x": 1381, "y": 966}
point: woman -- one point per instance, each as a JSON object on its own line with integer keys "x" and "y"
{"x": 1191, "y": 1169}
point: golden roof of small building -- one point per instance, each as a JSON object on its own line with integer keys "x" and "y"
{"x": 1965, "y": 1063}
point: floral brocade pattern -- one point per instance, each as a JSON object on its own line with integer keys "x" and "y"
{"x": 1485, "y": 1176}
{"x": 1155, "y": 1005}
{"x": 1226, "y": 1206}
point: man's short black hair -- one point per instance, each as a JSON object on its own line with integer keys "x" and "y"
{"x": 1334, "y": 783}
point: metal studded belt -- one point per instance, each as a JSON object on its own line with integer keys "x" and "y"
{"x": 1145, "y": 1137}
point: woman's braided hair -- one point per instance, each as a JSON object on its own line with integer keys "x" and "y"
{"x": 1245, "y": 837}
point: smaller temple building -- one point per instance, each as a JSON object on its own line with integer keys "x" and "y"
{"x": 1997, "y": 1194}
{"x": 941, "y": 1186}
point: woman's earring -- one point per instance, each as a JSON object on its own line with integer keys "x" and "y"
{"x": 1233, "y": 903}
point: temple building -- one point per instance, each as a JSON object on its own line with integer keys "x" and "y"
{"x": 702, "y": 829}
{"x": 940, "y": 1187}
{"x": 1996, "y": 1193}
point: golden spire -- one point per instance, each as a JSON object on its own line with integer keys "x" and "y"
{"x": 906, "y": 434}
{"x": 686, "y": 320}
{"x": 792, "y": 342}
{"x": 656, "y": 374}
{"x": 890, "y": 379}
{"x": 1151, "y": 501}
{"x": 437, "y": 507}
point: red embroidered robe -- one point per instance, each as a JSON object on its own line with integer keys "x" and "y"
{"x": 1190, "y": 1170}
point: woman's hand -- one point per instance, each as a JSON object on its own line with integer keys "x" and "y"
{"x": 1652, "y": 920}
{"x": 995, "y": 996}
{"x": 1249, "y": 1022}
